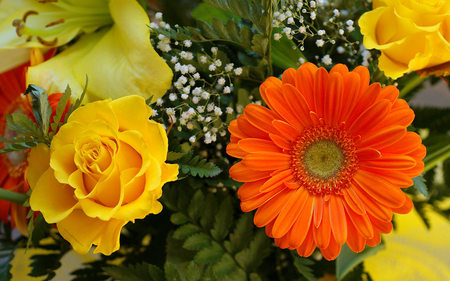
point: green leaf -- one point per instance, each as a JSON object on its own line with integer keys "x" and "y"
{"x": 60, "y": 110}
{"x": 193, "y": 272}
{"x": 209, "y": 255}
{"x": 224, "y": 220}
{"x": 436, "y": 154}
{"x": 285, "y": 54}
{"x": 197, "y": 242}
{"x": 241, "y": 235}
{"x": 171, "y": 272}
{"x": 184, "y": 231}
{"x": 46, "y": 113}
{"x": 211, "y": 206}
{"x": 303, "y": 266}
{"x": 226, "y": 269}
{"x": 206, "y": 12}
{"x": 196, "y": 207}
{"x": 22, "y": 124}
{"x": 260, "y": 44}
{"x": 253, "y": 256}
{"x": 347, "y": 259}
{"x": 179, "y": 218}
{"x": 172, "y": 156}
{"x": 419, "y": 185}
{"x": 196, "y": 167}
{"x": 78, "y": 101}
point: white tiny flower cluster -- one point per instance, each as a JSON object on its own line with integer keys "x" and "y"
{"x": 301, "y": 20}
{"x": 201, "y": 80}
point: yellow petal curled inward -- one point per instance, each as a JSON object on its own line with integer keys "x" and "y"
{"x": 53, "y": 199}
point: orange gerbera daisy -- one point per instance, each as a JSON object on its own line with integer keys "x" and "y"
{"x": 324, "y": 164}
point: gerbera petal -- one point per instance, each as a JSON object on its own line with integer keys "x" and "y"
{"x": 365, "y": 154}
{"x": 364, "y": 77}
{"x": 373, "y": 115}
{"x": 407, "y": 206}
{"x": 240, "y": 172}
{"x": 269, "y": 83}
{"x": 249, "y": 145}
{"x": 372, "y": 207}
{"x": 297, "y": 234}
{"x": 396, "y": 178}
{"x": 276, "y": 98}
{"x": 320, "y": 91}
{"x": 276, "y": 180}
{"x": 280, "y": 141}
{"x": 305, "y": 81}
{"x": 339, "y": 68}
{"x": 233, "y": 149}
{"x": 322, "y": 233}
{"x": 338, "y": 220}
{"x": 251, "y": 131}
{"x": 234, "y": 130}
{"x": 289, "y": 76}
{"x": 351, "y": 90}
{"x": 334, "y": 99}
{"x": 332, "y": 251}
{"x": 297, "y": 103}
{"x": 249, "y": 190}
{"x": 261, "y": 199}
{"x": 379, "y": 139}
{"x": 375, "y": 240}
{"x": 290, "y": 212}
{"x": 389, "y": 92}
{"x": 318, "y": 210}
{"x": 380, "y": 189}
{"x": 355, "y": 240}
{"x": 260, "y": 117}
{"x": 405, "y": 145}
{"x": 353, "y": 201}
{"x": 362, "y": 223}
{"x": 382, "y": 226}
{"x": 271, "y": 209}
{"x": 390, "y": 162}
{"x": 285, "y": 130}
{"x": 267, "y": 161}
{"x": 308, "y": 246}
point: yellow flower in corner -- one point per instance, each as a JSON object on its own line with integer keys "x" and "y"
{"x": 118, "y": 59}
{"x": 413, "y": 252}
{"x": 106, "y": 168}
{"x": 412, "y": 35}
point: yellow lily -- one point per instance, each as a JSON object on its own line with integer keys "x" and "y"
{"x": 32, "y": 23}
{"x": 118, "y": 59}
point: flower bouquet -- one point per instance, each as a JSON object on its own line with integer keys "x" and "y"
{"x": 224, "y": 140}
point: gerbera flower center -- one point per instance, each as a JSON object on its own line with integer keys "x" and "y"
{"x": 323, "y": 160}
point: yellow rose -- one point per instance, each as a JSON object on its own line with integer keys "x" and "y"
{"x": 412, "y": 35}
{"x": 106, "y": 168}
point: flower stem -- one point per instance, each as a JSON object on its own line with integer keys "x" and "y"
{"x": 12, "y": 196}
{"x": 412, "y": 84}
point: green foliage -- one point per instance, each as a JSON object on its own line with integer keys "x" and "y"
{"x": 194, "y": 166}
{"x": 348, "y": 260}
{"x": 419, "y": 185}
{"x": 7, "y": 248}
{"x": 222, "y": 248}
{"x": 303, "y": 266}
{"x": 138, "y": 272}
